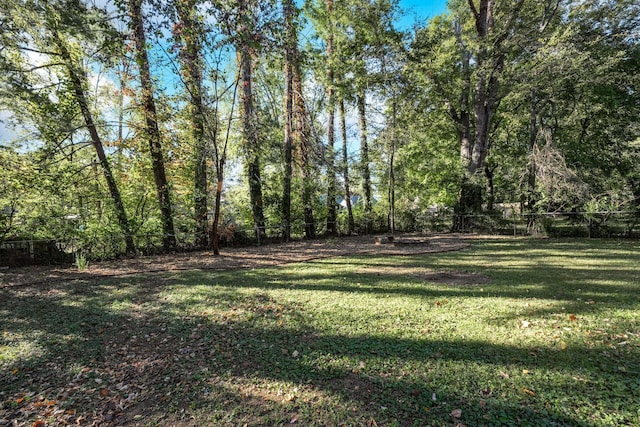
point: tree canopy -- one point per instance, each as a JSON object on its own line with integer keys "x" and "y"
{"x": 186, "y": 123}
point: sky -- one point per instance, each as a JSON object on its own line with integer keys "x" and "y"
{"x": 416, "y": 11}
{"x": 422, "y": 10}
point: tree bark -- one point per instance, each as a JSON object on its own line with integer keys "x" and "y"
{"x": 364, "y": 161}
{"x": 152, "y": 130}
{"x": 189, "y": 32}
{"x": 489, "y": 64}
{"x": 491, "y": 193}
{"x": 291, "y": 44}
{"x": 303, "y": 139}
{"x": 391, "y": 220}
{"x": 332, "y": 228}
{"x": 78, "y": 79}
{"x": 249, "y": 122}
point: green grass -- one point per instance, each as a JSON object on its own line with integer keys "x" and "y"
{"x": 530, "y": 333}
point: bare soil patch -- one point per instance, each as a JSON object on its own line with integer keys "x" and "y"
{"x": 239, "y": 258}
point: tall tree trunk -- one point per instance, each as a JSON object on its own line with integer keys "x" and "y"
{"x": 461, "y": 116}
{"x": 190, "y": 32}
{"x": 489, "y": 63}
{"x": 249, "y": 122}
{"x": 332, "y": 228}
{"x": 351, "y": 224}
{"x": 151, "y": 130}
{"x": 291, "y": 45}
{"x": 364, "y": 162}
{"x": 530, "y": 197}
{"x": 78, "y": 79}
{"x": 303, "y": 140}
{"x": 391, "y": 220}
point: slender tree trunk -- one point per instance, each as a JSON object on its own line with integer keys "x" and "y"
{"x": 249, "y": 126}
{"x": 220, "y": 157}
{"x": 78, "y": 79}
{"x": 215, "y": 240}
{"x": 291, "y": 44}
{"x": 189, "y": 31}
{"x": 332, "y": 228}
{"x": 152, "y": 130}
{"x": 530, "y": 198}
{"x": 391, "y": 220}
{"x": 351, "y": 225}
{"x": 302, "y": 137}
{"x": 307, "y": 196}
{"x": 364, "y": 160}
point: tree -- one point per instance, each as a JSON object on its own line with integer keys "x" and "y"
{"x": 351, "y": 225}
{"x": 290, "y": 66}
{"x": 189, "y": 31}
{"x": 152, "y": 131}
{"x": 303, "y": 140}
{"x": 56, "y": 32}
{"x": 332, "y": 223}
{"x": 245, "y": 54}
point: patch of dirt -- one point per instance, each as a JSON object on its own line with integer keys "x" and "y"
{"x": 455, "y": 278}
{"x": 239, "y": 258}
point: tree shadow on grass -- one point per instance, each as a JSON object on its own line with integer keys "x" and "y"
{"x": 128, "y": 354}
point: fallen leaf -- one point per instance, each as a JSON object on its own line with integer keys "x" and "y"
{"x": 572, "y": 317}
{"x": 38, "y": 423}
{"x": 529, "y": 392}
{"x": 504, "y": 374}
{"x": 294, "y": 419}
{"x": 295, "y": 353}
{"x": 104, "y": 392}
{"x": 563, "y": 345}
{"x": 456, "y": 413}
{"x": 525, "y": 323}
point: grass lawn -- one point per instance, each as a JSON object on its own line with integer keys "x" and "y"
{"x": 508, "y": 332}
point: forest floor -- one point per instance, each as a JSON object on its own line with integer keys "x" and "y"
{"x": 233, "y": 258}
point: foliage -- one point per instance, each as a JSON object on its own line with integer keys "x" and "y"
{"x": 558, "y": 81}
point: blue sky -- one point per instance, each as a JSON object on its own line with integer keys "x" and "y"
{"x": 422, "y": 9}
